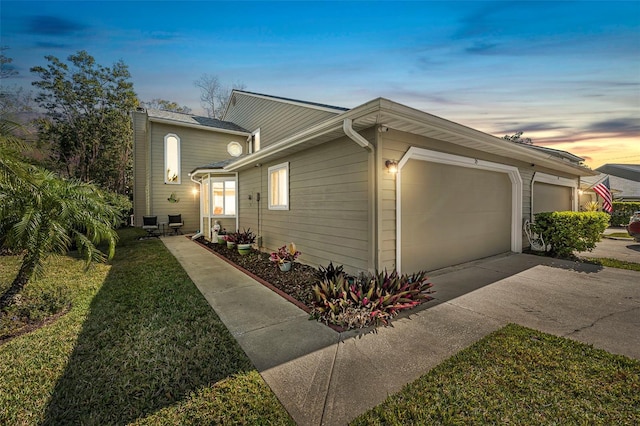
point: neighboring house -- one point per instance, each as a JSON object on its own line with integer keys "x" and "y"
{"x": 323, "y": 177}
{"x": 624, "y": 180}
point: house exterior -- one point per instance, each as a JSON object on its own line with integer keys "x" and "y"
{"x": 381, "y": 185}
{"x": 624, "y": 180}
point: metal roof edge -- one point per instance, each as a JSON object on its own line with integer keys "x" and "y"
{"x": 197, "y": 126}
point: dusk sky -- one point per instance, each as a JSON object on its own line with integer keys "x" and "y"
{"x": 565, "y": 73}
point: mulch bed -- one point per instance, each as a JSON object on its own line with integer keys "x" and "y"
{"x": 296, "y": 283}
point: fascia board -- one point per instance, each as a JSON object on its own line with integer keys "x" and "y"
{"x": 418, "y": 117}
{"x": 198, "y": 126}
{"x": 288, "y": 101}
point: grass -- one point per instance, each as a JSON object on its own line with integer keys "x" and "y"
{"x": 518, "y": 375}
{"x": 619, "y": 235}
{"x": 613, "y": 263}
{"x": 139, "y": 345}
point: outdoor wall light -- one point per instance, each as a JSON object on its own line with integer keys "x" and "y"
{"x": 392, "y": 166}
{"x": 194, "y": 191}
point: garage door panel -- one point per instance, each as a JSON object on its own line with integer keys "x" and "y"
{"x": 551, "y": 198}
{"x": 452, "y": 214}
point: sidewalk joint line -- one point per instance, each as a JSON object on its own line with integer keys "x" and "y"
{"x": 326, "y": 395}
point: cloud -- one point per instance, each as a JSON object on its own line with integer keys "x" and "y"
{"x": 629, "y": 126}
{"x": 513, "y": 127}
{"x": 480, "y": 48}
{"x": 53, "y": 26}
{"x": 51, "y": 45}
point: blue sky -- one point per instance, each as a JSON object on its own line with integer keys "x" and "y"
{"x": 565, "y": 73}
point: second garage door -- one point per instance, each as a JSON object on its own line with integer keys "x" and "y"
{"x": 551, "y": 198}
{"x": 452, "y": 214}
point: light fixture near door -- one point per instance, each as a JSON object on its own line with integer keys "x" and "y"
{"x": 392, "y": 166}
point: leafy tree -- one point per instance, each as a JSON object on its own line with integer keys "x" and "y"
{"x": 6, "y": 70}
{"x": 165, "y": 105}
{"x": 517, "y": 138}
{"x": 13, "y": 100}
{"x": 214, "y": 95}
{"x": 41, "y": 214}
{"x": 87, "y": 119}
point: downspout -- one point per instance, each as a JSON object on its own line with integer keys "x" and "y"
{"x": 533, "y": 180}
{"x": 347, "y": 126}
{"x": 199, "y": 233}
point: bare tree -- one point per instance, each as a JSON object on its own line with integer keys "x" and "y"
{"x": 166, "y": 105}
{"x": 214, "y": 95}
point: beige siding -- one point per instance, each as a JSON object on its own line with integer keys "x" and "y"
{"x": 197, "y": 148}
{"x": 329, "y": 205}
{"x": 275, "y": 119}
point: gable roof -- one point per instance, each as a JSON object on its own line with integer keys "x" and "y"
{"x": 190, "y": 120}
{"x": 625, "y": 171}
{"x": 314, "y": 105}
{"x": 394, "y": 115}
{"x": 557, "y": 152}
{"x": 216, "y": 165}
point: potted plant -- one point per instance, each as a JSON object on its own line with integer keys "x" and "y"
{"x": 222, "y": 235}
{"x": 285, "y": 256}
{"x": 244, "y": 240}
{"x": 231, "y": 239}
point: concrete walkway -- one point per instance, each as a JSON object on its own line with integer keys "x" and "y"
{"x": 327, "y": 378}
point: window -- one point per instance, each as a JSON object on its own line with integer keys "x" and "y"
{"x": 172, "y": 159}
{"x": 234, "y": 149}
{"x": 253, "y": 142}
{"x": 223, "y": 195}
{"x": 279, "y": 187}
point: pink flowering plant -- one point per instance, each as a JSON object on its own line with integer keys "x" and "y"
{"x": 286, "y": 253}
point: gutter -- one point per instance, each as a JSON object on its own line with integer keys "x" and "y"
{"x": 347, "y": 126}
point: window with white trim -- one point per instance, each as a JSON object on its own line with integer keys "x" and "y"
{"x": 223, "y": 196}
{"x": 279, "y": 187}
{"x": 172, "y": 159}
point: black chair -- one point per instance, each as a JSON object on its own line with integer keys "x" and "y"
{"x": 150, "y": 224}
{"x": 175, "y": 223}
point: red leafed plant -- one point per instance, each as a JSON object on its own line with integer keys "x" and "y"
{"x": 355, "y": 302}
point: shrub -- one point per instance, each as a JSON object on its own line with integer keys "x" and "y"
{"x": 622, "y": 211}
{"x": 368, "y": 299}
{"x": 330, "y": 272}
{"x": 285, "y": 254}
{"x": 245, "y": 237}
{"x": 566, "y": 232}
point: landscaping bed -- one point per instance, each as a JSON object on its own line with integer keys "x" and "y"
{"x": 330, "y": 295}
{"x": 296, "y": 283}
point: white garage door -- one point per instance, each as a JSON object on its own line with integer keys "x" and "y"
{"x": 452, "y": 214}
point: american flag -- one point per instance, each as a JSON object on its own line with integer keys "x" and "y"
{"x": 602, "y": 189}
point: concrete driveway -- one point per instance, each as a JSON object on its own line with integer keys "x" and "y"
{"x": 621, "y": 249}
{"x": 327, "y": 378}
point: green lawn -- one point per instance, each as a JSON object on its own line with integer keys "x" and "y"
{"x": 139, "y": 345}
{"x": 620, "y": 235}
{"x": 613, "y": 263}
{"x": 519, "y": 376}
